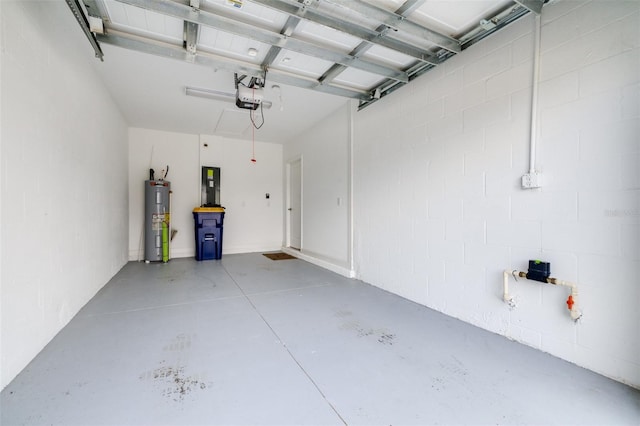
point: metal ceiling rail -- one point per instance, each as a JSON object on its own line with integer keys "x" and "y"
{"x": 400, "y": 23}
{"x": 167, "y": 50}
{"x": 501, "y": 20}
{"x": 202, "y": 17}
{"x": 193, "y": 17}
{"x": 75, "y": 7}
{"x": 287, "y": 30}
{"x": 376, "y": 36}
{"x": 337, "y": 69}
{"x": 97, "y": 9}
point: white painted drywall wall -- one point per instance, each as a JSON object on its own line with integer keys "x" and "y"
{"x": 64, "y": 179}
{"x": 439, "y": 211}
{"x": 324, "y": 149}
{"x": 252, "y": 223}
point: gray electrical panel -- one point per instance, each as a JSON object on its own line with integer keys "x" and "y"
{"x": 157, "y": 220}
{"x": 210, "y": 188}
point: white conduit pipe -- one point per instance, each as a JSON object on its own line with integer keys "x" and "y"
{"x": 534, "y": 95}
{"x": 572, "y": 301}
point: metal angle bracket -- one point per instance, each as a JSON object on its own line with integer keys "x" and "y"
{"x": 534, "y": 6}
{"x": 190, "y": 37}
{"x": 75, "y": 7}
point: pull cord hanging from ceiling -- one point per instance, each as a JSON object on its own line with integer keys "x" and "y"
{"x": 261, "y": 112}
{"x": 253, "y": 129}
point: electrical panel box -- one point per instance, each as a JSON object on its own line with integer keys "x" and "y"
{"x": 539, "y": 270}
{"x": 210, "y": 187}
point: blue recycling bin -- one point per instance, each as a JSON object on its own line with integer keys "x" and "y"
{"x": 209, "y": 222}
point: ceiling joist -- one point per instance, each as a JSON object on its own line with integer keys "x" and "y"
{"x": 202, "y": 17}
{"x": 337, "y": 69}
{"x": 158, "y": 48}
{"x": 400, "y": 23}
{"x": 420, "y": 48}
{"x": 378, "y": 36}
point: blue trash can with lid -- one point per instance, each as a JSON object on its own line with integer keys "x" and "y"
{"x": 209, "y": 222}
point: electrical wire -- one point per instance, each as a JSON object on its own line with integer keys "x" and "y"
{"x": 261, "y": 113}
{"x": 253, "y": 131}
{"x": 253, "y": 145}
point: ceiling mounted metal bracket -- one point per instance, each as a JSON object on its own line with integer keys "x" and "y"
{"x": 534, "y": 6}
{"x": 191, "y": 37}
{"x": 75, "y": 7}
{"x": 192, "y": 30}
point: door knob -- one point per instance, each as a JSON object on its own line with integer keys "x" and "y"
{"x": 289, "y": 209}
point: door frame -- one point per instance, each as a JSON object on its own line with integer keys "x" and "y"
{"x": 288, "y": 201}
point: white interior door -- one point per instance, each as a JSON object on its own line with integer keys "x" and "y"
{"x": 295, "y": 204}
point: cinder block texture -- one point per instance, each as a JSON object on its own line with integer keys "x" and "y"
{"x": 479, "y": 221}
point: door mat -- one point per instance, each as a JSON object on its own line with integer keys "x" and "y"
{"x": 279, "y": 256}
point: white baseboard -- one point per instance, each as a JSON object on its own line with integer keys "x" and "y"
{"x": 178, "y": 253}
{"x": 134, "y": 255}
{"x": 323, "y": 263}
{"x": 252, "y": 249}
{"x": 338, "y": 269}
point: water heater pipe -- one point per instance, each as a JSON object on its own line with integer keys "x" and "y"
{"x": 572, "y": 301}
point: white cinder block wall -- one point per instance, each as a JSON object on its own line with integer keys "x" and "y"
{"x": 325, "y": 154}
{"x": 64, "y": 178}
{"x": 252, "y": 222}
{"x": 439, "y": 211}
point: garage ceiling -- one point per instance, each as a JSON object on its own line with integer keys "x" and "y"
{"x": 333, "y": 49}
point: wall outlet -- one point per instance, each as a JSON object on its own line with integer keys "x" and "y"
{"x": 531, "y": 180}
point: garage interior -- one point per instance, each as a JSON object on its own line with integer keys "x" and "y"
{"x": 418, "y": 159}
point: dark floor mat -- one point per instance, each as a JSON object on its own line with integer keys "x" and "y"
{"x": 279, "y": 256}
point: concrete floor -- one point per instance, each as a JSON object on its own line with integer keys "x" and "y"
{"x": 248, "y": 340}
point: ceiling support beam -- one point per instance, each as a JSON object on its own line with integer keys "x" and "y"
{"x": 75, "y": 7}
{"x": 502, "y": 19}
{"x": 409, "y": 6}
{"x": 534, "y": 6}
{"x": 167, "y": 50}
{"x": 337, "y": 69}
{"x": 372, "y": 36}
{"x": 187, "y": 13}
{"x": 399, "y": 22}
{"x": 287, "y": 30}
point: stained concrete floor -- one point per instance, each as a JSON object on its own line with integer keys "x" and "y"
{"x": 248, "y": 340}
